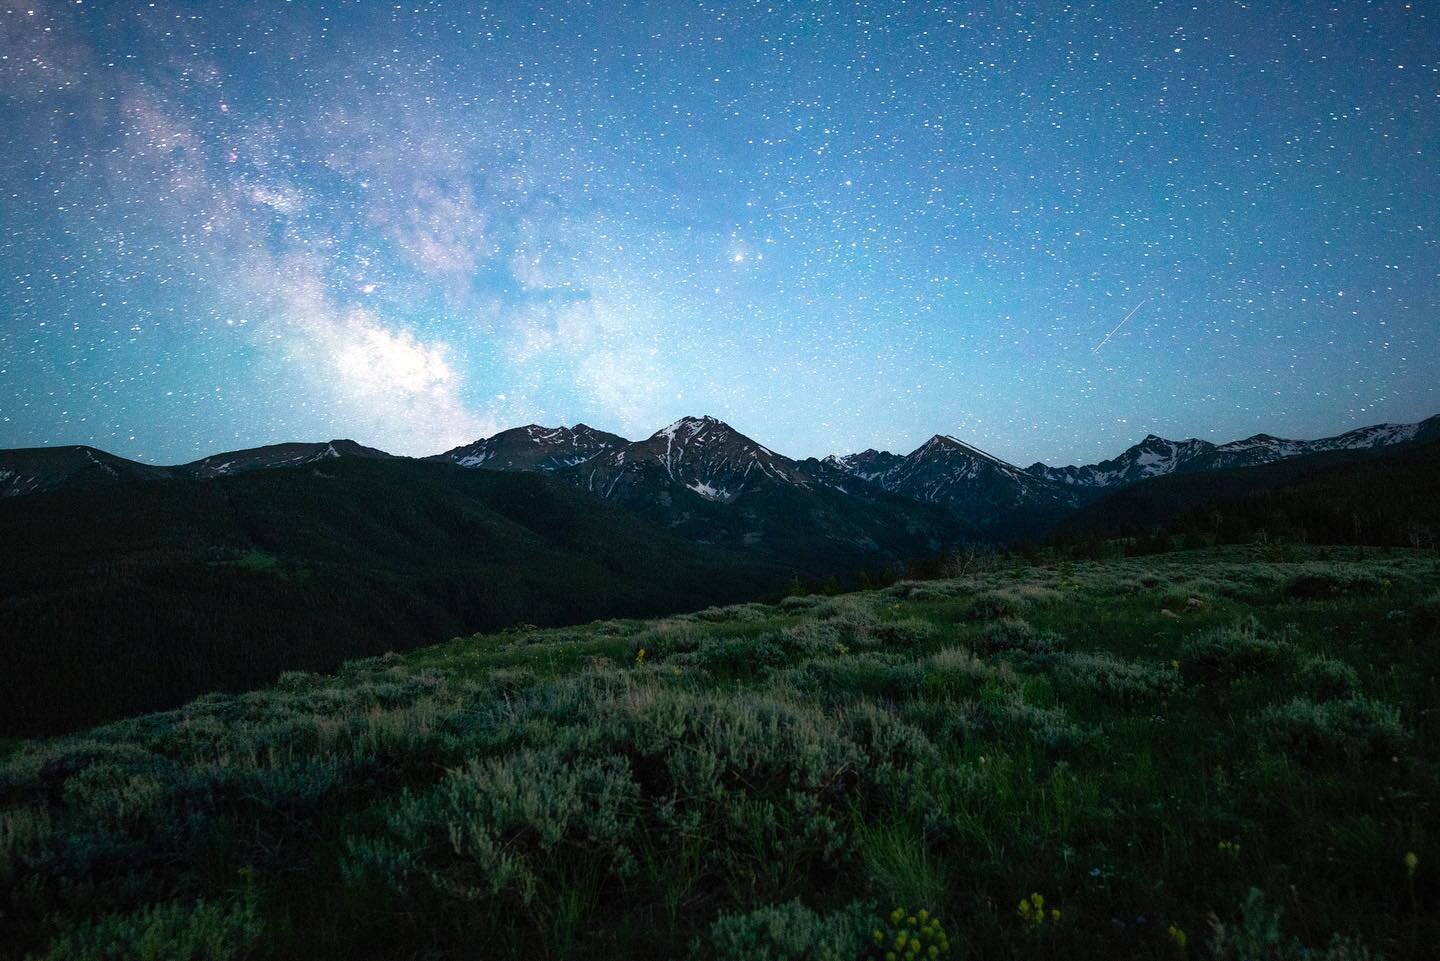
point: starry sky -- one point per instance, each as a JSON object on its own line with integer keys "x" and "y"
{"x": 1045, "y": 228}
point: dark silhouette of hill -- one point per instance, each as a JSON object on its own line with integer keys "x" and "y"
{"x": 138, "y": 596}
{"x": 1378, "y": 496}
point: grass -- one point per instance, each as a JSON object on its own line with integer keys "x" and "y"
{"x": 1206, "y": 754}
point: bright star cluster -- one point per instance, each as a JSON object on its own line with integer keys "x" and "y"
{"x": 1047, "y": 228}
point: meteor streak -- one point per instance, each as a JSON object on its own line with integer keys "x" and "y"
{"x": 1106, "y": 339}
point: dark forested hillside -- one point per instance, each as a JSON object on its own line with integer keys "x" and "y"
{"x": 1384, "y": 496}
{"x": 139, "y": 596}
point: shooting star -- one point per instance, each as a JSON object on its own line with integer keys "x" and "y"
{"x": 1106, "y": 340}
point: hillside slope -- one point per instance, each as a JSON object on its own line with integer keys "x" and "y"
{"x": 136, "y": 596}
{"x": 1212, "y": 749}
{"x": 1378, "y": 496}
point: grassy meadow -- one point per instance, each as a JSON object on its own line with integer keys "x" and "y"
{"x": 1225, "y": 754}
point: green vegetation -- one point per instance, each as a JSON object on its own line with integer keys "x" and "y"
{"x": 136, "y": 597}
{"x": 1193, "y": 755}
{"x": 1375, "y": 496}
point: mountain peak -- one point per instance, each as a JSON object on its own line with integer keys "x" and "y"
{"x": 691, "y": 421}
{"x": 946, "y": 444}
{"x": 534, "y": 447}
{"x": 687, "y": 429}
{"x": 937, "y": 444}
{"x": 703, "y": 454}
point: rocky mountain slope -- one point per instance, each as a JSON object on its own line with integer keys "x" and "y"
{"x": 706, "y": 481}
{"x": 534, "y": 448}
{"x": 29, "y": 470}
{"x": 276, "y": 455}
{"x": 989, "y": 493}
{"x": 1157, "y": 457}
{"x": 700, "y": 454}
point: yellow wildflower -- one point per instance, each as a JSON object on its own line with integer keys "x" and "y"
{"x": 1178, "y": 938}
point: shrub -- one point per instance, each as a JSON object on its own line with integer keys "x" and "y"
{"x": 1230, "y": 652}
{"x": 812, "y": 637}
{"x": 109, "y": 795}
{"x": 785, "y": 932}
{"x": 1425, "y": 617}
{"x": 667, "y": 638}
{"x": 1257, "y": 936}
{"x": 735, "y": 612}
{"x": 808, "y": 602}
{"x": 1109, "y": 675}
{"x": 890, "y": 745}
{"x": 1357, "y": 728}
{"x": 903, "y": 633}
{"x": 989, "y": 605}
{"x": 955, "y": 668}
{"x": 1011, "y": 715}
{"x": 867, "y": 674}
{"x": 1326, "y": 678}
{"x": 1333, "y": 582}
{"x": 23, "y": 832}
{"x": 935, "y": 592}
{"x": 744, "y": 656}
{"x": 164, "y": 932}
{"x": 1014, "y": 634}
{"x": 499, "y": 826}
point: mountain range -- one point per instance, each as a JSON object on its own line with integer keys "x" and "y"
{"x": 131, "y": 586}
{"x": 1157, "y": 457}
{"x": 31, "y": 470}
{"x": 681, "y": 474}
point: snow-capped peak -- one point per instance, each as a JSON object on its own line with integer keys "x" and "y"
{"x": 1155, "y": 456}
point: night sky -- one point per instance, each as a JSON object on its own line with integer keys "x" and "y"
{"x": 1047, "y": 229}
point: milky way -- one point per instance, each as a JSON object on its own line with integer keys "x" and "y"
{"x": 835, "y": 226}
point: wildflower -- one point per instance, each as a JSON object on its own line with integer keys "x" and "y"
{"x": 1178, "y": 938}
{"x": 1411, "y": 863}
{"x": 1032, "y": 910}
{"x": 640, "y": 657}
{"x": 912, "y": 937}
